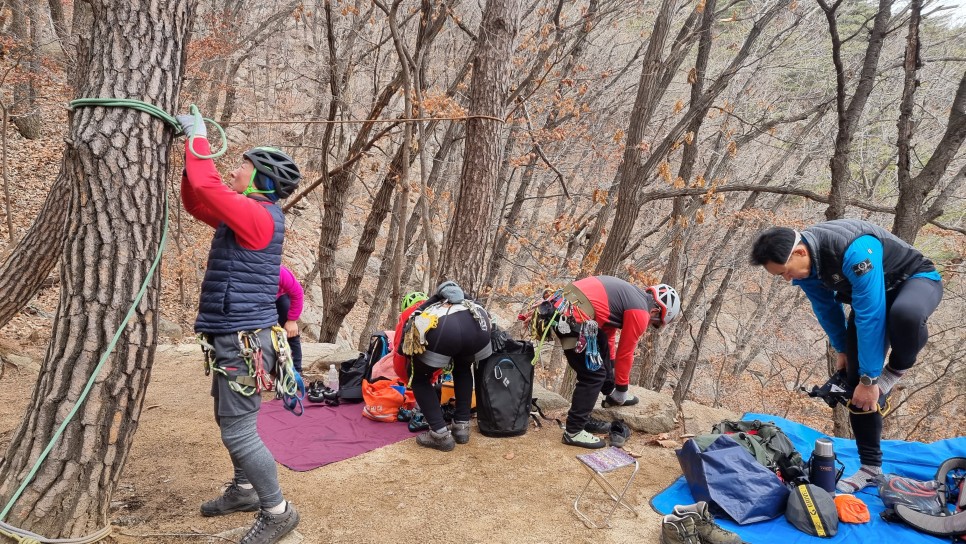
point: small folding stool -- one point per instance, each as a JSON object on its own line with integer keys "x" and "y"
{"x": 600, "y": 463}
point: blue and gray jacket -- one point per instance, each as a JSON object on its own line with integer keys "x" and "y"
{"x": 240, "y": 285}
{"x": 857, "y": 263}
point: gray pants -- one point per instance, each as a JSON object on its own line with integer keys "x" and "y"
{"x": 237, "y": 417}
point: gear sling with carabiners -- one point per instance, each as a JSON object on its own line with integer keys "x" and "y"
{"x": 287, "y": 382}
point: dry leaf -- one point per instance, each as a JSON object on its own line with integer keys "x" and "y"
{"x": 669, "y": 444}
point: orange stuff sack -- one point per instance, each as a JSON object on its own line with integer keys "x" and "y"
{"x": 851, "y": 509}
{"x": 384, "y": 398}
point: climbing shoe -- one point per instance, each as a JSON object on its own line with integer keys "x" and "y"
{"x": 583, "y": 439}
{"x": 597, "y": 426}
{"x": 708, "y": 531}
{"x": 619, "y": 433}
{"x": 461, "y": 431}
{"x": 418, "y": 422}
{"x": 404, "y": 414}
{"x": 234, "y": 499}
{"x": 609, "y": 401}
{"x": 679, "y": 530}
{"x": 438, "y": 441}
{"x": 270, "y": 528}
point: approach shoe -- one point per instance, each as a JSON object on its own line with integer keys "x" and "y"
{"x": 679, "y": 530}
{"x": 609, "y": 401}
{"x": 708, "y": 531}
{"x": 597, "y": 426}
{"x": 270, "y": 528}
{"x": 461, "y": 431}
{"x": 583, "y": 439}
{"x": 234, "y": 499}
{"x": 619, "y": 433}
{"x": 438, "y": 441}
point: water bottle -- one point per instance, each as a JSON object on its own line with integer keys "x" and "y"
{"x": 821, "y": 467}
{"x": 332, "y": 378}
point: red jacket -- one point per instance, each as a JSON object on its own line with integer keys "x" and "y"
{"x": 618, "y": 305}
{"x": 400, "y": 362}
{"x": 208, "y": 199}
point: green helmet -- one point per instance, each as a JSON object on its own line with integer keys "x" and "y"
{"x": 412, "y": 298}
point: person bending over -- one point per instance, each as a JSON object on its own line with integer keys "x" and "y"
{"x": 892, "y": 290}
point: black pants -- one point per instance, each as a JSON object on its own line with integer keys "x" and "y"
{"x": 282, "y": 304}
{"x": 907, "y": 309}
{"x": 590, "y": 383}
{"x": 426, "y": 396}
{"x": 459, "y": 336}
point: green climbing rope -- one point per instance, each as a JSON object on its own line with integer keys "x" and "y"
{"x": 24, "y": 536}
{"x": 160, "y": 114}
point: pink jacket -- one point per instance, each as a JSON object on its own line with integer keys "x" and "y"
{"x": 288, "y": 285}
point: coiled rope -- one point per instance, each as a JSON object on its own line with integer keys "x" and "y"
{"x": 21, "y": 535}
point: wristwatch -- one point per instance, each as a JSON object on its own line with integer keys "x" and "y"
{"x": 868, "y": 380}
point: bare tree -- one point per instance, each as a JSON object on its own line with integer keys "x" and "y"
{"x": 850, "y": 110}
{"x": 115, "y": 219}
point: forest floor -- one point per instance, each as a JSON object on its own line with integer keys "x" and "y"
{"x": 517, "y": 490}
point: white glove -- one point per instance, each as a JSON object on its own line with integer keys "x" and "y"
{"x": 188, "y": 126}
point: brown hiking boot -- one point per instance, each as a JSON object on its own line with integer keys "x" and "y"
{"x": 708, "y": 531}
{"x": 234, "y": 499}
{"x": 438, "y": 441}
{"x": 270, "y": 528}
{"x": 678, "y": 530}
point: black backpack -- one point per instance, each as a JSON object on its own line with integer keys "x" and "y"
{"x": 352, "y": 372}
{"x": 504, "y": 389}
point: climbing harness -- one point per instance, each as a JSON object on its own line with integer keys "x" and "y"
{"x": 553, "y": 310}
{"x": 285, "y": 380}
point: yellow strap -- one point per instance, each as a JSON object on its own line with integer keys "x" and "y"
{"x": 812, "y": 511}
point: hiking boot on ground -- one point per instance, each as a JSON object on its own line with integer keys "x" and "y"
{"x": 678, "y": 530}
{"x": 438, "y": 441}
{"x": 597, "y": 426}
{"x": 270, "y": 528}
{"x": 610, "y": 401}
{"x": 461, "y": 431}
{"x": 708, "y": 531}
{"x": 619, "y": 433}
{"x": 234, "y": 499}
{"x": 583, "y": 439}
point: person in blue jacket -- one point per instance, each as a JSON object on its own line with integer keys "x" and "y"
{"x": 892, "y": 290}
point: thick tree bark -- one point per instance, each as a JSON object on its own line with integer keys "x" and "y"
{"x": 38, "y": 251}
{"x": 115, "y": 166}
{"x": 463, "y": 256}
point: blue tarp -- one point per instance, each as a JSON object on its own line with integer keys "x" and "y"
{"x": 910, "y": 459}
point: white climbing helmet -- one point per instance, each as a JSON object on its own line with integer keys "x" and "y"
{"x": 668, "y": 300}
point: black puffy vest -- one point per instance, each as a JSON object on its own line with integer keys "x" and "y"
{"x": 240, "y": 285}
{"x": 828, "y": 241}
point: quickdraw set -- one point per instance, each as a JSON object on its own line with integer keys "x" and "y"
{"x": 287, "y": 382}
{"x": 554, "y": 310}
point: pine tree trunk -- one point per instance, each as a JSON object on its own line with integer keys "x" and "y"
{"x": 464, "y": 255}
{"x": 115, "y": 165}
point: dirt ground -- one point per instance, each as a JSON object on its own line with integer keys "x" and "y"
{"x": 513, "y": 490}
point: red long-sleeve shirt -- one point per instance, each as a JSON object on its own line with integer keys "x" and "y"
{"x": 208, "y": 199}
{"x": 618, "y": 305}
